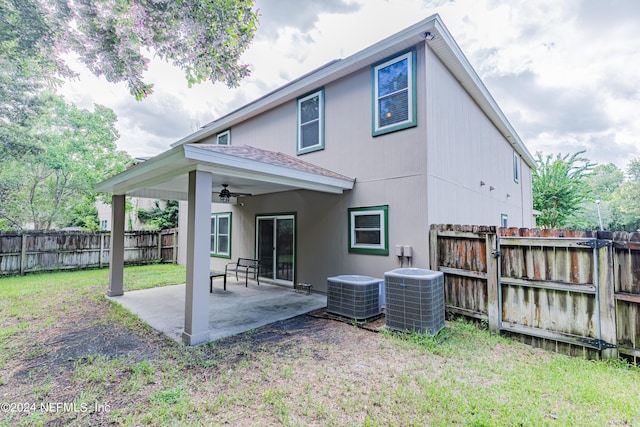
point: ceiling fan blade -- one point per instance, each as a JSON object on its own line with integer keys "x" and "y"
{"x": 225, "y": 193}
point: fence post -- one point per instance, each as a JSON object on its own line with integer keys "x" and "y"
{"x": 606, "y": 292}
{"x": 101, "y": 249}
{"x": 174, "y": 254}
{"x": 433, "y": 249}
{"x": 160, "y": 246}
{"x": 23, "y": 255}
{"x": 493, "y": 297}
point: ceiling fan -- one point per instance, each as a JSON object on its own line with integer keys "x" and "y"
{"x": 225, "y": 194}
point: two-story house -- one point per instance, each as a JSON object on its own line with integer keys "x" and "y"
{"x": 346, "y": 167}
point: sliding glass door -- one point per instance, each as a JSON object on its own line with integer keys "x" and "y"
{"x": 276, "y": 247}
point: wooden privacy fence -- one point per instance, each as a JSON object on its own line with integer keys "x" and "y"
{"x": 576, "y": 292}
{"x": 22, "y": 253}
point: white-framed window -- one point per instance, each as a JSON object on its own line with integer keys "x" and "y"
{"x": 224, "y": 138}
{"x": 221, "y": 234}
{"x": 369, "y": 230}
{"x": 394, "y": 93}
{"x": 516, "y": 167}
{"x": 311, "y": 122}
{"x": 104, "y": 225}
{"x": 504, "y": 220}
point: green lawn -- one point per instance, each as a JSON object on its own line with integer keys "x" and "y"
{"x": 69, "y": 356}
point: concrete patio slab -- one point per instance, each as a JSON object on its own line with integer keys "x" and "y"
{"x": 236, "y": 310}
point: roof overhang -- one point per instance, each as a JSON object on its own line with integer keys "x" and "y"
{"x": 245, "y": 169}
{"x": 430, "y": 30}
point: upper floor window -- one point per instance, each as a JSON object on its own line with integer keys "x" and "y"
{"x": 504, "y": 220}
{"x": 394, "y": 93}
{"x": 224, "y": 138}
{"x": 516, "y": 167}
{"x": 311, "y": 122}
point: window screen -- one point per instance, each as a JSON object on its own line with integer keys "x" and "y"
{"x": 310, "y": 122}
{"x": 394, "y": 94}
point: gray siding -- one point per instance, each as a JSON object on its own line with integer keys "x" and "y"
{"x": 427, "y": 174}
{"x": 389, "y": 170}
{"x": 465, "y": 149}
{"x": 349, "y": 147}
{"x": 322, "y": 239}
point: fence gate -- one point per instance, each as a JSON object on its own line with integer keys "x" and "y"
{"x": 562, "y": 290}
{"x": 557, "y": 289}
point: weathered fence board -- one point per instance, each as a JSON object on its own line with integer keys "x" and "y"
{"x": 462, "y": 256}
{"x": 22, "y": 253}
{"x": 576, "y": 292}
{"x": 626, "y": 279}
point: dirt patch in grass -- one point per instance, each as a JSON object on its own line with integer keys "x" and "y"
{"x": 63, "y": 350}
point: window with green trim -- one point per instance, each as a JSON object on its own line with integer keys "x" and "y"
{"x": 369, "y": 230}
{"x": 221, "y": 234}
{"x": 224, "y": 138}
{"x": 516, "y": 167}
{"x": 311, "y": 122}
{"x": 394, "y": 94}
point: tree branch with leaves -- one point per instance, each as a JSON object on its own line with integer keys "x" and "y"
{"x": 116, "y": 38}
{"x": 76, "y": 150}
{"x": 560, "y": 187}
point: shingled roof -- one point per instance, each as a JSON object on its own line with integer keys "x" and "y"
{"x": 270, "y": 157}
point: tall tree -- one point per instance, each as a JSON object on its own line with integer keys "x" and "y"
{"x": 626, "y": 206}
{"x": 560, "y": 188}
{"x": 76, "y": 150}
{"x": 29, "y": 65}
{"x": 114, "y": 38}
{"x": 633, "y": 169}
{"x": 604, "y": 180}
{"x": 625, "y": 200}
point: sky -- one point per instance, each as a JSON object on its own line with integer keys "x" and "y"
{"x": 566, "y": 73}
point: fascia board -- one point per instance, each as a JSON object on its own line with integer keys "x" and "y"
{"x": 309, "y": 182}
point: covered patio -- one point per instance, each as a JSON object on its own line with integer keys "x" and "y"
{"x": 196, "y": 173}
{"x": 233, "y": 311}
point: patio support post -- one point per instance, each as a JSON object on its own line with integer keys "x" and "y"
{"x": 116, "y": 252}
{"x": 196, "y": 309}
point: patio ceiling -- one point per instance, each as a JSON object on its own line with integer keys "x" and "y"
{"x": 245, "y": 169}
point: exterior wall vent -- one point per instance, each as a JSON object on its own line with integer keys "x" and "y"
{"x": 355, "y": 297}
{"x": 415, "y": 300}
